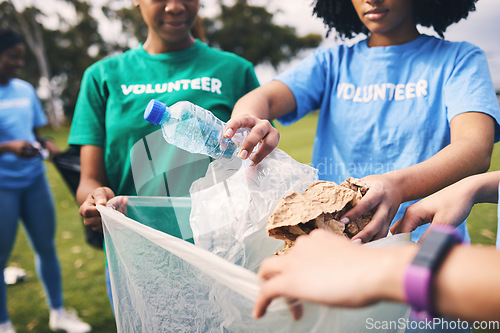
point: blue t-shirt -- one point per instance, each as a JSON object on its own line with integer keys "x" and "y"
{"x": 498, "y": 219}
{"x": 20, "y": 113}
{"x": 387, "y": 108}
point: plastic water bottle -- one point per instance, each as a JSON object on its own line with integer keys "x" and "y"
{"x": 194, "y": 129}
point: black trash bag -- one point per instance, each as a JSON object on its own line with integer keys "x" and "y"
{"x": 68, "y": 165}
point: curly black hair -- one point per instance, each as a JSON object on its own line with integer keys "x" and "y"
{"x": 437, "y": 14}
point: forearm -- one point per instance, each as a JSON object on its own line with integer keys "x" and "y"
{"x": 92, "y": 171}
{"x": 392, "y": 270}
{"x": 448, "y": 166}
{"x": 471, "y": 137}
{"x": 269, "y": 102}
{"x": 86, "y": 187}
{"x": 4, "y": 148}
{"x": 254, "y": 103}
{"x": 467, "y": 284}
{"x": 481, "y": 188}
{"x": 484, "y": 187}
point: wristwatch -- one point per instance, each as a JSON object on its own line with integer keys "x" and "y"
{"x": 418, "y": 279}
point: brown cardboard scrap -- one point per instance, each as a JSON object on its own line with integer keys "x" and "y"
{"x": 320, "y": 206}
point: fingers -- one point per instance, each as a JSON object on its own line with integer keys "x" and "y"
{"x": 376, "y": 229}
{"x": 295, "y": 307}
{"x": 395, "y": 228}
{"x": 91, "y": 217}
{"x": 270, "y": 290}
{"x": 119, "y": 203}
{"x": 406, "y": 224}
{"x": 377, "y": 224}
{"x": 95, "y": 223}
{"x": 239, "y": 122}
{"x": 267, "y": 145}
{"x": 272, "y": 266}
{"x": 24, "y": 149}
{"x": 270, "y": 271}
{"x": 261, "y": 131}
{"x": 413, "y": 217}
{"x": 88, "y": 210}
{"x": 364, "y": 206}
{"x": 101, "y": 195}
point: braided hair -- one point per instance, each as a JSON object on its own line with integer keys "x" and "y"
{"x": 436, "y": 14}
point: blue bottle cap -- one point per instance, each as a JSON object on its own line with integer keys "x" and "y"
{"x": 154, "y": 111}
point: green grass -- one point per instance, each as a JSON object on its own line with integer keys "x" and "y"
{"x": 83, "y": 266}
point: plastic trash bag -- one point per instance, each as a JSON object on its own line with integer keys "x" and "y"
{"x": 162, "y": 283}
{"x": 231, "y": 205}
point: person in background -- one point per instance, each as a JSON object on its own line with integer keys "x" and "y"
{"x": 171, "y": 65}
{"x": 465, "y": 286}
{"x": 24, "y": 190}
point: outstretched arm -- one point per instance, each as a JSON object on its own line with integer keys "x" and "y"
{"x": 452, "y": 204}
{"x": 472, "y": 136}
{"x": 328, "y": 269}
{"x": 92, "y": 189}
{"x": 20, "y": 148}
{"x": 253, "y": 111}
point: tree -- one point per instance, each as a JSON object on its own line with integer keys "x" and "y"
{"x": 59, "y": 54}
{"x": 243, "y": 29}
{"x": 33, "y": 36}
{"x": 249, "y": 31}
{"x": 56, "y": 58}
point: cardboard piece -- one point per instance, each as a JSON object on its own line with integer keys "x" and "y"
{"x": 319, "y": 206}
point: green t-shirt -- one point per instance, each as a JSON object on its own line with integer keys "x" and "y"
{"x": 114, "y": 94}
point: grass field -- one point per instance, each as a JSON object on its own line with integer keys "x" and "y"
{"x": 83, "y": 266}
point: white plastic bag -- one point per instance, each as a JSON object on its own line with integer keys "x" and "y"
{"x": 162, "y": 283}
{"x": 231, "y": 205}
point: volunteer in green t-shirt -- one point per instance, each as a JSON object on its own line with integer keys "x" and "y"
{"x": 121, "y": 153}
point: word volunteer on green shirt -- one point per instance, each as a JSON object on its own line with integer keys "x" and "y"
{"x": 113, "y": 96}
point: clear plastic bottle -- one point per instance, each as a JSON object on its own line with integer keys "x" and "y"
{"x": 194, "y": 129}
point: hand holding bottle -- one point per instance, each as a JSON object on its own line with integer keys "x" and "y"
{"x": 262, "y": 134}
{"x": 194, "y": 129}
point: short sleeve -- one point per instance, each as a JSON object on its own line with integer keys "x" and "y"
{"x": 252, "y": 81}
{"x": 88, "y": 125}
{"x": 470, "y": 88}
{"x": 307, "y": 81}
{"x": 39, "y": 119}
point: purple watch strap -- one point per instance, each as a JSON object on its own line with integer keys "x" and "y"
{"x": 417, "y": 282}
{"x": 418, "y": 276}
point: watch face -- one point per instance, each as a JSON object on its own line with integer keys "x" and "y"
{"x": 434, "y": 247}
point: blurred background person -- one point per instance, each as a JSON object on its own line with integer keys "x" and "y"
{"x": 24, "y": 190}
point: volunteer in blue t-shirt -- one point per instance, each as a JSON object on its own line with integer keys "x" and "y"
{"x": 24, "y": 190}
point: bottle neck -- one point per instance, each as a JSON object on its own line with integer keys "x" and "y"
{"x": 166, "y": 116}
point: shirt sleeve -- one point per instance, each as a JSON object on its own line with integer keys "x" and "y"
{"x": 251, "y": 79}
{"x": 88, "y": 125}
{"x": 470, "y": 88}
{"x": 307, "y": 81}
{"x": 39, "y": 119}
